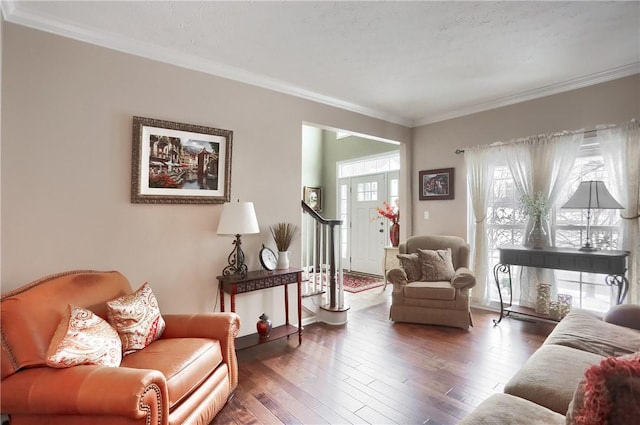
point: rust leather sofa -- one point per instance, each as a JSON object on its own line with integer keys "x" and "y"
{"x": 184, "y": 377}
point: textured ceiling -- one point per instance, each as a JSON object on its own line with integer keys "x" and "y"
{"x": 407, "y": 62}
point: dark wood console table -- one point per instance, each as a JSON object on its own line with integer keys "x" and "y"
{"x": 255, "y": 281}
{"x": 611, "y": 263}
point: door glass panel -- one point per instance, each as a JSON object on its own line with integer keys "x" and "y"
{"x": 393, "y": 191}
{"x": 344, "y": 216}
{"x": 367, "y": 191}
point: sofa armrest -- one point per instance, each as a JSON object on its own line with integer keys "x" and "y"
{"x": 220, "y": 326}
{"x": 223, "y": 327}
{"x": 463, "y": 278}
{"x": 397, "y": 276}
{"x": 627, "y": 315}
{"x": 87, "y": 390}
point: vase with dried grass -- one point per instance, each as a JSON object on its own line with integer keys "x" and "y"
{"x": 283, "y": 234}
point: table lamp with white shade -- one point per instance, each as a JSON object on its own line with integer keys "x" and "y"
{"x": 237, "y": 218}
{"x": 590, "y": 195}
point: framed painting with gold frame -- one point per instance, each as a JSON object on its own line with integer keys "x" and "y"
{"x": 176, "y": 163}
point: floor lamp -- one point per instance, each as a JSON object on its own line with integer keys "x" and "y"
{"x": 590, "y": 195}
{"x": 237, "y": 218}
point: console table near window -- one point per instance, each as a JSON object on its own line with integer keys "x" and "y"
{"x": 610, "y": 263}
{"x": 255, "y": 281}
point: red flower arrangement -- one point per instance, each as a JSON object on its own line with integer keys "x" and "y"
{"x": 162, "y": 181}
{"x": 389, "y": 212}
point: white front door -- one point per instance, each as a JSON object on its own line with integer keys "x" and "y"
{"x": 368, "y": 232}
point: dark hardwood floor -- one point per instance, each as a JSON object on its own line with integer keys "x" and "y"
{"x": 372, "y": 371}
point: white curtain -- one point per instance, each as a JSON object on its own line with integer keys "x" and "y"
{"x": 541, "y": 164}
{"x": 620, "y": 148}
{"x": 480, "y": 162}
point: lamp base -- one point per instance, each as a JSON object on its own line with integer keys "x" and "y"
{"x": 232, "y": 273}
{"x": 236, "y": 269}
{"x": 588, "y": 248}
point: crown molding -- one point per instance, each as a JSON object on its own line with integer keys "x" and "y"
{"x": 7, "y": 7}
{"x": 576, "y": 83}
{"x": 177, "y": 58}
{"x": 115, "y": 42}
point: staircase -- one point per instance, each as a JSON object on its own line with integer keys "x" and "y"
{"x": 322, "y": 288}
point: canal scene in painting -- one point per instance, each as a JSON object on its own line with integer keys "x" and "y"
{"x": 435, "y": 184}
{"x": 176, "y": 163}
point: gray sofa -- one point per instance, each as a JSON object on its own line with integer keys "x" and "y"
{"x": 550, "y": 387}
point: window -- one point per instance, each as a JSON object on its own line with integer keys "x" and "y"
{"x": 506, "y": 225}
{"x": 369, "y": 165}
{"x": 394, "y": 191}
{"x": 343, "y": 200}
{"x": 367, "y": 191}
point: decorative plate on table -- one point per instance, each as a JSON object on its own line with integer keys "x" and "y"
{"x": 268, "y": 259}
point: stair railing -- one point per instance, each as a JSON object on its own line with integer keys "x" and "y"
{"x": 322, "y": 259}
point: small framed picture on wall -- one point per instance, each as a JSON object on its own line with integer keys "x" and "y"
{"x": 436, "y": 184}
{"x": 313, "y": 197}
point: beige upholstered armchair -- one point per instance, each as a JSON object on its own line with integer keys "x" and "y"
{"x": 433, "y": 284}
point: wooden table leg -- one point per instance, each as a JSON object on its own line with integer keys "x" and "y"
{"x": 233, "y": 299}
{"x": 299, "y": 308}
{"x": 221, "y": 297}
{"x": 286, "y": 304}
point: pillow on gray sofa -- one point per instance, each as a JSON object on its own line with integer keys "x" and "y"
{"x": 551, "y": 375}
{"x": 505, "y": 409}
{"x": 609, "y": 393}
{"x": 627, "y": 315}
{"x": 584, "y": 331}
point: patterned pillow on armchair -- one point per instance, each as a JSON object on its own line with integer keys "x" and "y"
{"x": 436, "y": 265}
{"x": 411, "y": 265}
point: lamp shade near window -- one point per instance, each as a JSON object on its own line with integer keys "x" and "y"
{"x": 590, "y": 195}
{"x": 237, "y": 218}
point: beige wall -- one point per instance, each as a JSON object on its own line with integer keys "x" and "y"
{"x": 434, "y": 144}
{"x": 67, "y": 112}
{"x": 311, "y": 156}
{"x": 1, "y": 44}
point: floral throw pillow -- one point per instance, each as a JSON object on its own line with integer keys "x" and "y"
{"x": 82, "y": 338}
{"x": 608, "y": 394}
{"x": 436, "y": 265}
{"x": 411, "y": 265}
{"x": 136, "y": 317}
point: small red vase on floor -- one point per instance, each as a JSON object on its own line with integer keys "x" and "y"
{"x": 394, "y": 234}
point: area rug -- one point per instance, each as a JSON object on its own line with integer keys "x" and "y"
{"x": 357, "y": 282}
